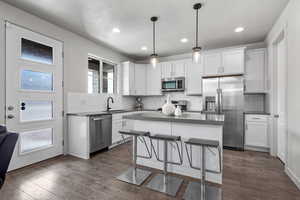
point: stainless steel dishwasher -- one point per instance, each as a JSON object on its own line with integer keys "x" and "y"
{"x": 100, "y": 132}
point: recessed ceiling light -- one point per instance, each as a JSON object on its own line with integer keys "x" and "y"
{"x": 184, "y": 40}
{"x": 239, "y": 29}
{"x": 144, "y": 48}
{"x": 116, "y": 30}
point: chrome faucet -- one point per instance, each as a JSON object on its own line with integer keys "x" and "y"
{"x": 107, "y": 103}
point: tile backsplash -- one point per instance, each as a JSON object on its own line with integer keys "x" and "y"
{"x": 251, "y": 102}
{"x": 254, "y": 102}
{"x": 194, "y": 102}
{"x": 82, "y": 102}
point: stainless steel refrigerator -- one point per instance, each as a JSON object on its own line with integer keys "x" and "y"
{"x": 225, "y": 95}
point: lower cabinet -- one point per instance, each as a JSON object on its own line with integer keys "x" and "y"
{"x": 256, "y": 132}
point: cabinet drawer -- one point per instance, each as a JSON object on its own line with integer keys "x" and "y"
{"x": 257, "y": 118}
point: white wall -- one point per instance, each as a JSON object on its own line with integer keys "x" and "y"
{"x": 76, "y": 50}
{"x": 290, "y": 22}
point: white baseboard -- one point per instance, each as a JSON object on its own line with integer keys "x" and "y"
{"x": 293, "y": 177}
{"x": 255, "y": 148}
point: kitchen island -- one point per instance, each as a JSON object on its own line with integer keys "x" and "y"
{"x": 188, "y": 125}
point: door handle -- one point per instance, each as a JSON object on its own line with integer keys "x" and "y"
{"x": 10, "y": 116}
{"x": 276, "y": 116}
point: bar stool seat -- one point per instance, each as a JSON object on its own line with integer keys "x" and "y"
{"x": 163, "y": 182}
{"x": 202, "y": 142}
{"x": 195, "y": 190}
{"x": 134, "y": 175}
{"x": 165, "y": 137}
{"x": 134, "y": 132}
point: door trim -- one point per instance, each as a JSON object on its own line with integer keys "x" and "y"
{"x": 282, "y": 34}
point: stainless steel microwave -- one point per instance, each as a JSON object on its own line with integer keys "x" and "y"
{"x": 173, "y": 84}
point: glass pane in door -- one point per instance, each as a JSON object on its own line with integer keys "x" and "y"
{"x": 34, "y": 140}
{"x": 36, "y": 52}
{"x": 35, "y": 110}
{"x": 32, "y": 80}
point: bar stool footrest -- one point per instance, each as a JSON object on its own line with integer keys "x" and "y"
{"x": 136, "y": 178}
{"x": 171, "y": 187}
{"x": 193, "y": 192}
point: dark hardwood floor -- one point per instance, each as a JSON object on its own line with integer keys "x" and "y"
{"x": 247, "y": 176}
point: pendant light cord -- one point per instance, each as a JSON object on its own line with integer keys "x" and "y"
{"x": 197, "y": 16}
{"x": 154, "y": 37}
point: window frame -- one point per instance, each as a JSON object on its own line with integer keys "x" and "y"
{"x": 100, "y": 81}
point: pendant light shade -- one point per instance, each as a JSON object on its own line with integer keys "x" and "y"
{"x": 154, "y": 59}
{"x": 154, "y": 56}
{"x": 197, "y": 48}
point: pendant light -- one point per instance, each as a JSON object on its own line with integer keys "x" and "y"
{"x": 154, "y": 56}
{"x": 197, "y": 48}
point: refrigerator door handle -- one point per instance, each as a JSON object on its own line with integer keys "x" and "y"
{"x": 221, "y": 101}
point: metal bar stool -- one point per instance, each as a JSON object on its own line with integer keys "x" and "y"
{"x": 163, "y": 182}
{"x": 135, "y": 175}
{"x": 195, "y": 189}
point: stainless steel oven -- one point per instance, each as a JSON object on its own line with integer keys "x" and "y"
{"x": 173, "y": 84}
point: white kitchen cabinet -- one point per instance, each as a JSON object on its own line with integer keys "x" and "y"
{"x": 128, "y": 78}
{"x": 255, "y": 71}
{"x": 233, "y": 61}
{"x": 194, "y": 72}
{"x": 134, "y": 79}
{"x": 224, "y": 62}
{"x": 173, "y": 69}
{"x": 256, "y": 132}
{"x": 166, "y": 68}
{"x": 153, "y": 80}
{"x": 140, "y": 79}
{"x": 212, "y": 63}
{"x": 178, "y": 68}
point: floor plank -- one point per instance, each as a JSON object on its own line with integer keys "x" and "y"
{"x": 247, "y": 175}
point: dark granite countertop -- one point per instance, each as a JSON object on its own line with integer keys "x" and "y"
{"x": 256, "y": 113}
{"x": 196, "y": 118}
{"x": 100, "y": 112}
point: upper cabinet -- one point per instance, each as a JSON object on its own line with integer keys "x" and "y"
{"x": 212, "y": 63}
{"x": 255, "y": 71}
{"x": 128, "y": 78}
{"x": 166, "y": 70}
{"x": 194, "y": 72}
{"x": 134, "y": 79}
{"x": 224, "y": 62}
{"x": 153, "y": 80}
{"x": 173, "y": 69}
{"x": 140, "y": 79}
{"x": 233, "y": 61}
{"x": 178, "y": 68}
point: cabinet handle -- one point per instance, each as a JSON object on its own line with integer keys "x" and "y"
{"x": 97, "y": 119}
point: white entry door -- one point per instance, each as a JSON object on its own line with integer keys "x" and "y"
{"x": 281, "y": 100}
{"x": 34, "y": 95}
